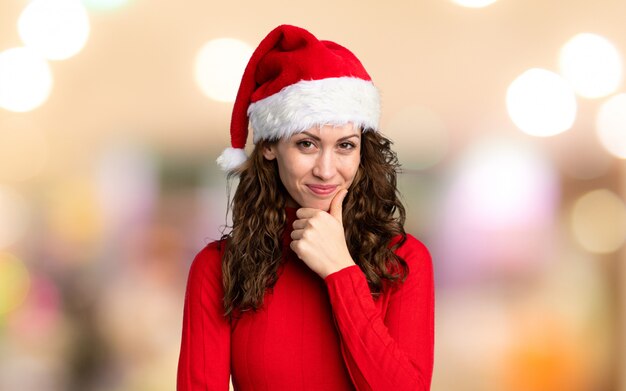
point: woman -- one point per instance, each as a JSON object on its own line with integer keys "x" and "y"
{"x": 317, "y": 286}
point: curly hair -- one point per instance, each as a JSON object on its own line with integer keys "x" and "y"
{"x": 373, "y": 216}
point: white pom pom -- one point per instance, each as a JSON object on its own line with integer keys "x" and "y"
{"x": 231, "y": 158}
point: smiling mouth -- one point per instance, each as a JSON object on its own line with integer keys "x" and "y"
{"x": 322, "y": 189}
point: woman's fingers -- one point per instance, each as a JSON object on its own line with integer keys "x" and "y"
{"x": 306, "y": 213}
{"x": 299, "y": 224}
{"x": 296, "y": 234}
{"x": 318, "y": 239}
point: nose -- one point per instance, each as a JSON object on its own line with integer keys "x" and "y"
{"x": 325, "y": 165}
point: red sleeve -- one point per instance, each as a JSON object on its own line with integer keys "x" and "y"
{"x": 204, "y": 362}
{"x": 392, "y": 350}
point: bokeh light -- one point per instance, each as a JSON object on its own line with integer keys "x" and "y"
{"x": 503, "y": 183}
{"x": 598, "y": 221}
{"x": 25, "y": 79}
{"x": 592, "y": 64}
{"x": 498, "y": 210}
{"x": 219, "y": 66}
{"x": 420, "y": 137}
{"x": 474, "y": 3}
{"x": 14, "y": 216}
{"x": 74, "y": 215}
{"x": 546, "y": 353}
{"x": 611, "y": 125}
{"x": 541, "y": 103}
{"x": 40, "y": 313}
{"x": 58, "y": 29}
{"x": 14, "y": 282}
{"x": 105, "y": 4}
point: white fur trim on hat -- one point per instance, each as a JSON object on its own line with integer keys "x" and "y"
{"x": 309, "y": 103}
{"x": 231, "y": 158}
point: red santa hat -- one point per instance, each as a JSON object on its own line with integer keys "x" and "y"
{"x": 293, "y": 82}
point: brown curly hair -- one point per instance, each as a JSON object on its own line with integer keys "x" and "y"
{"x": 372, "y": 214}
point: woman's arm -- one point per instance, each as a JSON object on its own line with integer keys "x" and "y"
{"x": 392, "y": 351}
{"x": 204, "y": 362}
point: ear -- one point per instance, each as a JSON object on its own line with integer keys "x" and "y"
{"x": 269, "y": 151}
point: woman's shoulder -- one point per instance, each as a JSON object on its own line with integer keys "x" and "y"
{"x": 208, "y": 261}
{"x": 413, "y": 251}
{"x": 204, "y": 281}
{"x": 212, "y": 250}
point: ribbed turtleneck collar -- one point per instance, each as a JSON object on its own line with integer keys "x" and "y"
{"x": 291, "y": 214}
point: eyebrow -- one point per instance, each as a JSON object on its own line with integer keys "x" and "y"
{"x": 319, "y": 139}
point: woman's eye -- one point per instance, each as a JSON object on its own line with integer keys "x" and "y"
{"x": 305, "y": 144}
{"x": 346, "y": 145}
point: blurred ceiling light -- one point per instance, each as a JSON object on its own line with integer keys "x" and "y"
{"x": 13, "y": 216}
{"x": 104, "y": 4}
{"x": 541, "y": 103}
{"x": 592, "y": 64}
{"x": 219, "y": 66}
{"x": 598, "y": 221}
{"x": 57, "y": 28}
{"x": 611, "y": 125}
{"x": 25, "y": 79}
{"x": 474, "y": 3}
{"x": 420, "y": 137}
{"x": 14, "y": 282}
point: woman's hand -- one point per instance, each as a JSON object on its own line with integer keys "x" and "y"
{"x": 319, "y": 239}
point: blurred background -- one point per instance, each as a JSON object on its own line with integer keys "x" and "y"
{"x": 509, "y": 118}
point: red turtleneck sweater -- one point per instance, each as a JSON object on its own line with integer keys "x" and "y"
{"x": 312, "y": 333}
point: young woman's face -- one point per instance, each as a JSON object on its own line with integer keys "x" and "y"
{"x": 315, "y": 164}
